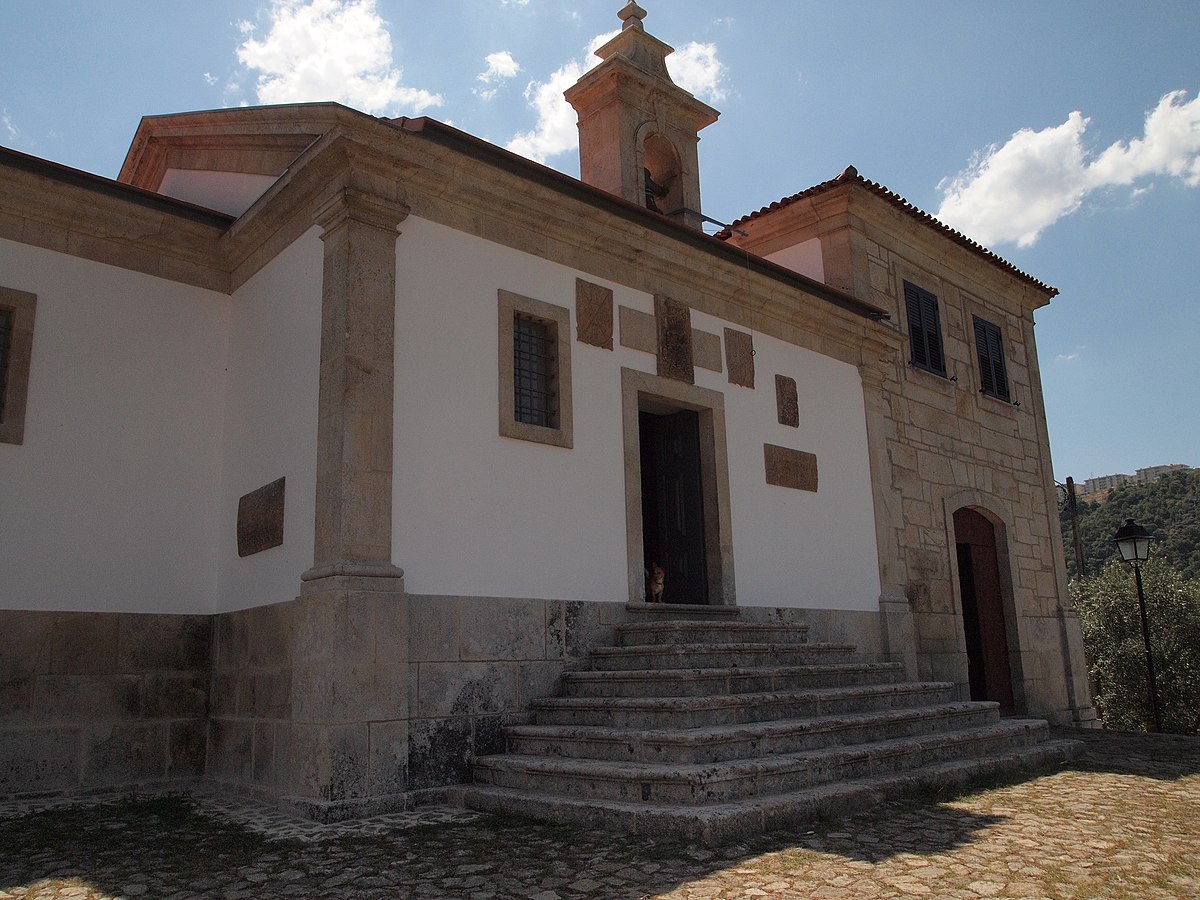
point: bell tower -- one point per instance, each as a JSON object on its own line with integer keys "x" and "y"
{"x": 638, "y": 130}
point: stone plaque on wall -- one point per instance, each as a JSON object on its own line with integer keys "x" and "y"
{"x": 593, "y": 314}
{"x": 674, "y": 321}
{"x": 260, "y": 519}
{"x": 790, "y": 468}
{"x": 706, "y": 348}
{"x": 739, "y": 357}
{"x": 637, "y": 330}
{"x": 786, "y": 401}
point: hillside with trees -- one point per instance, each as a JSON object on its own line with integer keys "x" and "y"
{"x": 1169, "y": 508}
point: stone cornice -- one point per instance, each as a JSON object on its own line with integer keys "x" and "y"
{"x": 448, "y": 177}
{"x": 58, "y": 208}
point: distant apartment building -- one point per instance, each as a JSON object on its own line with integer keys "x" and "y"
{"x": 1142, "y": 476}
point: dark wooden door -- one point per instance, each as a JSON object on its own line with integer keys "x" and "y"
{"x": 983, "y": 610}
{"x": 673, "y": 504}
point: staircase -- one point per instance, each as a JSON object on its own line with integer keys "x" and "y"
{"x": 707, "y": 731}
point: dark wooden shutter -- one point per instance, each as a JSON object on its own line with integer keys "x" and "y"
{"x": 989, "y": 346}
{"x": 924, "y": 329}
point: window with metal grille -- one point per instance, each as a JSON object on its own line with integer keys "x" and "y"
{"x": 6, "y": 328}
{"x": 17, "y": 311}
{"x": 924, "y": 330}
{"x": 534, "y": 371}
{"x": 989, "y": 346}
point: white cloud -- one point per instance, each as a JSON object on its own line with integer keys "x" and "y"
{"x": 694, "y": 67}
{"x": 517, "y": 3}
{"x": 329, "y": 50}
{"x": 7, "y": 128}
{"x": 556, "y": 131}
{"x": 1069, "y": 357}
{"x": 210, "y": 79}
{"x": 500, "y": 66}
{"x": 1014, "y": 192}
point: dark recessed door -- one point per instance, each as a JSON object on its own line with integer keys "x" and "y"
{"x": 983, "y": 610}
{"x": 673, "y": 504}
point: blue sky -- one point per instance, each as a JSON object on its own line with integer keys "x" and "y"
{"x": 1039, "y": 128}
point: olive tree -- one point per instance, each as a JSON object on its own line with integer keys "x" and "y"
{"x": 1112, "y": 631}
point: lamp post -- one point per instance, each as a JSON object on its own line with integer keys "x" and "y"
{"x": 1133, "y": 541}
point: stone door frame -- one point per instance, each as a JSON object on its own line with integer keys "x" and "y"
{"x": 643, "y": 391}
{"x": 998, "y": 513}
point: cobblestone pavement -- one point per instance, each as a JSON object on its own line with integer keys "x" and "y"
{"x": 1124, "y": 821}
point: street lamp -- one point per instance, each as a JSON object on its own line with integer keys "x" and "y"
{"x": 1134, "y": 543}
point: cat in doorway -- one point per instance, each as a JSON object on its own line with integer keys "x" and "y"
{"x": 656, "y": 580}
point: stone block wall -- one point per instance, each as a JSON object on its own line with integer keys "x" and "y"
{"x": 475, "y": 666}
{"x": 93, "y": 702}
{"x": 334, "y": 704}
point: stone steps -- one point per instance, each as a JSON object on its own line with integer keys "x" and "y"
{"x": 631, "y": 634}
{"x": 733, "y": 780}
{"x": 718, "y": 656}
{"x": 722, "y": 823}
{"x": 708, "y": 728}
{"x": 725, "y": 709}
{"x": 725, "y": 742}
{"x": 708, "y": 682}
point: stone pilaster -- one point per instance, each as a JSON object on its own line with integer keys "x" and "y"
{"x": 354, "y": 430}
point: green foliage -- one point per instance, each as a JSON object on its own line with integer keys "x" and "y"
{"x": 1112, "y": 633}
{"x": 1169, "y": 508}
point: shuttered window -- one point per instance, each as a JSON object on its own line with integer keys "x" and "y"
{"x": 924, "y": 330}
{"x": 989, "y": 347}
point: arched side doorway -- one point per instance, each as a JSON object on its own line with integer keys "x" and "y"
{"x": 984, "y": 626}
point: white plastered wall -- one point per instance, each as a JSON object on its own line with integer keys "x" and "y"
{"x": 804, "y": 258}
{"x": 110, "y": 504}
{"x": 271, "y": 421}
{"x": 227, "y": 192}
{"x": 476, "y": 514}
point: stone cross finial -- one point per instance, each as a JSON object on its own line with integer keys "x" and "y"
{"x": 632, "y": 16}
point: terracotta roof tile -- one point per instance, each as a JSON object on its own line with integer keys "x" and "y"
{"x": 851, "y": 176}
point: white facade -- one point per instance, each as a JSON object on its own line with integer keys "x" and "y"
{"x": 477, "y": 514}
{"x": 111, "y": 501}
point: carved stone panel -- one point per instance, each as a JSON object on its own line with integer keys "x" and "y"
{"x": 260, "y": 519}
{"x": 593, "y": 314}
{"x": 790, "y": 468}
{"x": 637, "y": 330}
{"x": 674, "y": 325}
{"x": 739, "y": 357}
{"x": 706, "y": 348}
{"x": 786, "y": 401}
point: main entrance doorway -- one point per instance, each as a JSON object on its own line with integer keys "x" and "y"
{"x": 988, "y": 668}
{"x": 673, "y": 503}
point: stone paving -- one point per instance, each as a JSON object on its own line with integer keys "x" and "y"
{"x": 1123, "y": 821}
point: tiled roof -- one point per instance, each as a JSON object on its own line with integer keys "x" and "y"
{"x": 851, "y": 176}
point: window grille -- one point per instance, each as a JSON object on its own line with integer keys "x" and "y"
{"x": 989, "y": 346}
{"x": 924, "y": 329}
{"x": 6, "y": 328}
{"x": 534, "y": 372}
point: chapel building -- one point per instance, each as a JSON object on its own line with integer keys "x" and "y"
{"x": 330, "y": 442}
